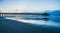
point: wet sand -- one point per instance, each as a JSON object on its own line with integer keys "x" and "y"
{"x": 11, "y": 26}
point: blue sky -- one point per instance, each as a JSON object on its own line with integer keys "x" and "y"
{"x": 35, "y": 5}
{"x": 0, "y": 3}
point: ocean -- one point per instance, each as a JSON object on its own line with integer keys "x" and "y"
{"x": 15, "y": 23}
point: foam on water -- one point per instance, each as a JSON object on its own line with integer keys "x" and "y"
{"x": 37, "y": 22}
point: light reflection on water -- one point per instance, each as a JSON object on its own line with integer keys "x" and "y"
{"x": 52, "y": 24}
{"x": 55, "y": 19}
{"x": 33, "y": 19}
{"x": 36, "y": 22}
{"x": 38, "y": 17}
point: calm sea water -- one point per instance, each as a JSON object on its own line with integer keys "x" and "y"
{"x": 13, "y": 26}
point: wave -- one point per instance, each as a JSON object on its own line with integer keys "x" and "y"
{"x": 36, "y": 22}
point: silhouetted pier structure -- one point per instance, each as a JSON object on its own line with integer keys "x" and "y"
{"x": 42, "y": 14}
{"x": 34, "y": 16}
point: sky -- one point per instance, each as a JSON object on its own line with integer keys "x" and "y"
{"x": 29, "y": 5}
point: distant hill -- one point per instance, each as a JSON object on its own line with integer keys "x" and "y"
{"x": 55, "y": 16}
{"x": 55, "y": 13}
